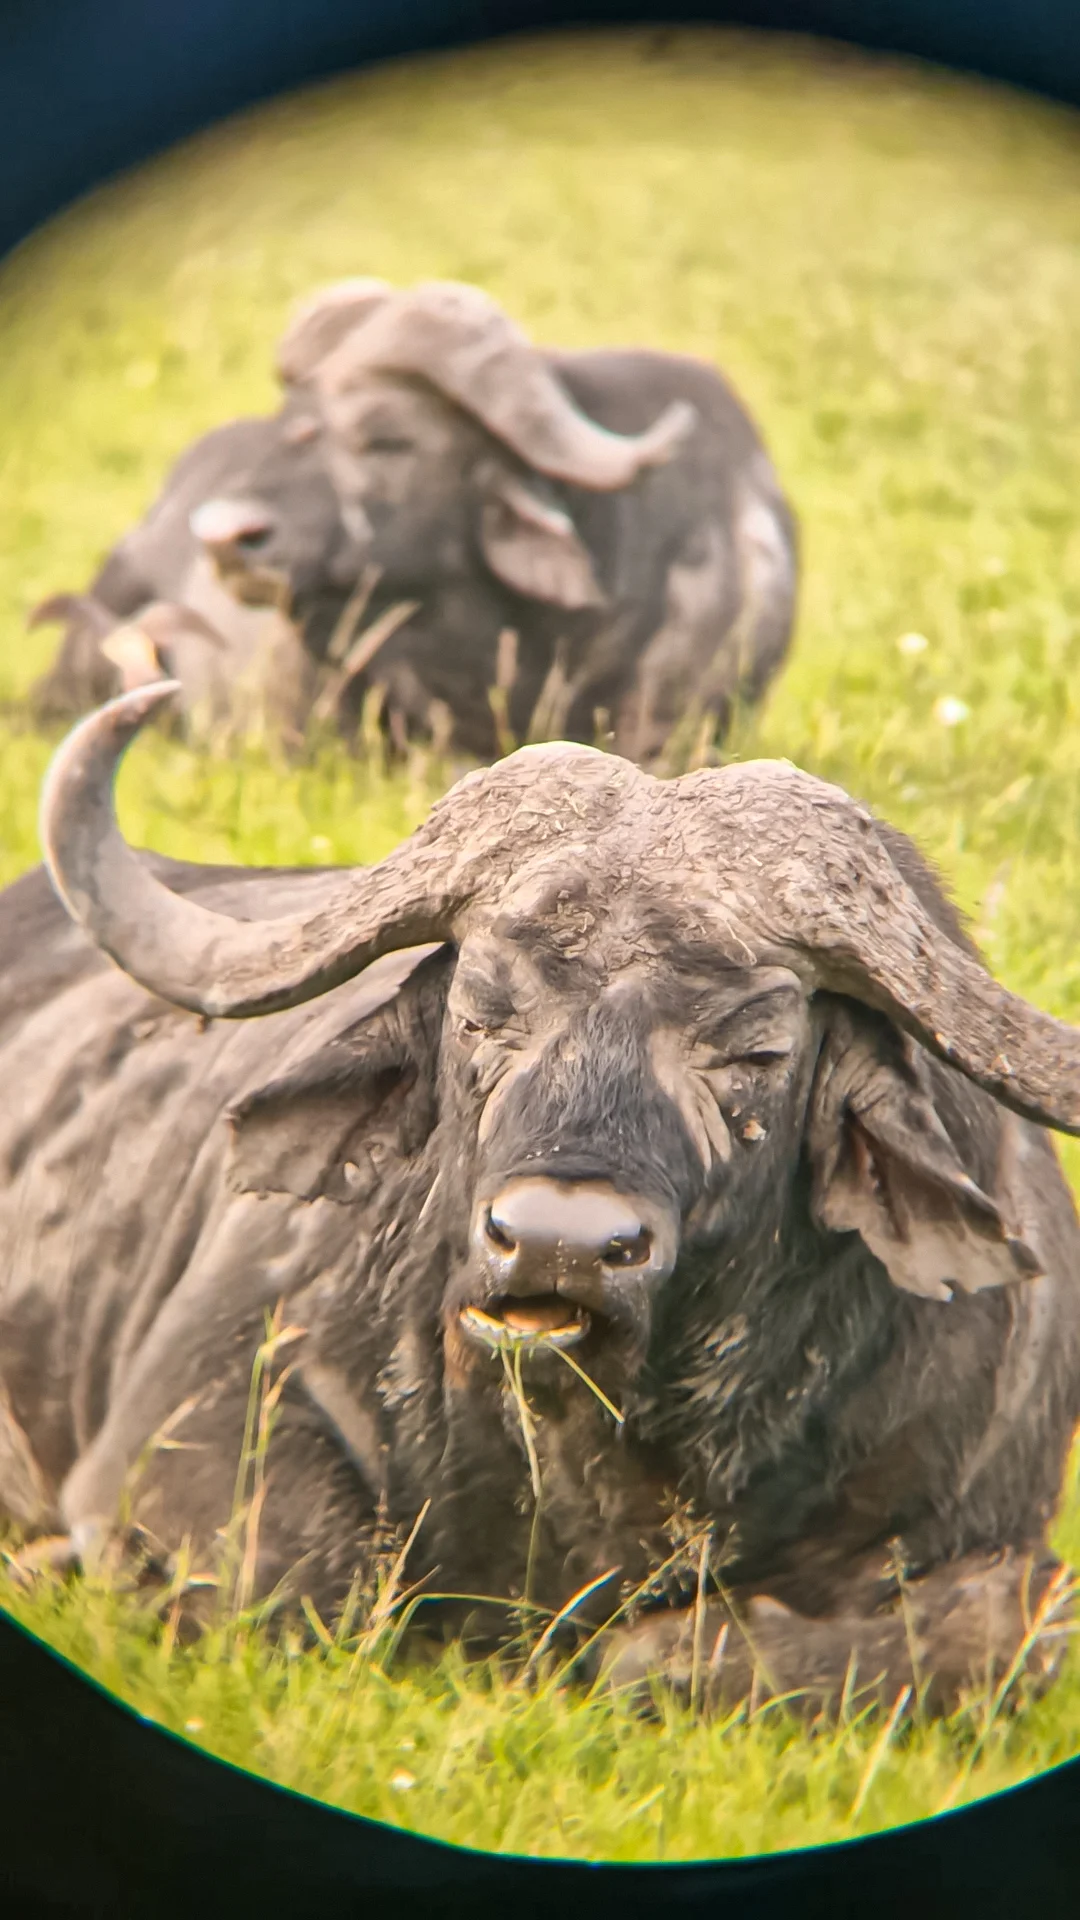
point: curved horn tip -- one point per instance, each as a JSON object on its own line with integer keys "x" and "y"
{"x": 123, "y": 716}
{"x": 679, "y": 420}
{"x": 107, "y": 732}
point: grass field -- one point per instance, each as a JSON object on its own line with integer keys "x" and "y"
{"x": 887, "y": 263}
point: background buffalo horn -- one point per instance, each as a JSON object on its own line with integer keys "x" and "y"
{"x": 209, "y": 962}
{"x": 317, "y": 325}
{"x": 829, "y": 889}
{"x": 462, "y": 342}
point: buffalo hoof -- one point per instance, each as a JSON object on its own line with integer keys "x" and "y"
{"x": 54, "y": 1553}
{"x": 91, "y": 1547}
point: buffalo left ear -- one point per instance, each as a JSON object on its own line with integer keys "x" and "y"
{"x": 885, "y": 1167}
{"x": 533, "y": 546}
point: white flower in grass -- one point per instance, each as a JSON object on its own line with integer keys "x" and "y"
{"x": 949, "y": 711}
{"x": 913, "y": 643}
{"x": 402, "y": 1780}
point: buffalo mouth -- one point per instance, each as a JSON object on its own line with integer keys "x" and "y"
{"x": 510, "y": 1324}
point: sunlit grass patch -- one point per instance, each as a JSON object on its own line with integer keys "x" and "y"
{"x": 460, "y": 1750}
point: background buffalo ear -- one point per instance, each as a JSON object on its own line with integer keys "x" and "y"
{"x": 532, "y": 545}
{"x": 885, "y": 1167}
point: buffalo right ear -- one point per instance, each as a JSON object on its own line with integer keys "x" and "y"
{"x": 323, "y": 1132}
{"x": 533, "y": 546}
{"x": 885, "y": 1167}
{"x": 344, "y": 1111}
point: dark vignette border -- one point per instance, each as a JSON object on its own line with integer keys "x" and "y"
{"x": 89, "y": 87}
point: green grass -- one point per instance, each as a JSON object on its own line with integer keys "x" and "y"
{"x": 887, "y": 263}
{"x": 451, "y": 1750}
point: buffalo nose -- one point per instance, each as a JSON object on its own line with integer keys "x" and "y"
{"x": 227, "y": 527}
{"x": 541, "y": 1236}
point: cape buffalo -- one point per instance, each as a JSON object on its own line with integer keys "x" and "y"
{"x": 698, "y": 1084}
{"x": 160, "y": 607}
{"x": 580, "y": 535}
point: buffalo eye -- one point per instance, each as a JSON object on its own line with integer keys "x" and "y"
{"x": 472, "y": 1026}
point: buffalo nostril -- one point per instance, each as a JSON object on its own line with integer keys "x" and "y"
{"x": 626, "y": 1250}
{"x": 225, "y": 525}
{"x": 497, "y": 1234}
{"x": 557, "y": 1228}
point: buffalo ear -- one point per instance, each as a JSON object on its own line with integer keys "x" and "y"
{"x": 348, "y": 1107}
{"x": 532, "y": 545}
{"x": 323, "y": 1132}
{"x": 885, "y": 1167}
{"x": 69, "y": 607}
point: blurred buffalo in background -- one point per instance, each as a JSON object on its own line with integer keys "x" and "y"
{"x": 159, "y": 606}
{"x": 508, "y": 542}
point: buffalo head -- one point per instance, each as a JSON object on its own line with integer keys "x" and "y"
{"x": 277, "y": 533}
{"x": 658, "y": 994}
{"x": 444, "y": 433}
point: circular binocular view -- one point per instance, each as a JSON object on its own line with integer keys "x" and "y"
{"x": 541, "y": 1284}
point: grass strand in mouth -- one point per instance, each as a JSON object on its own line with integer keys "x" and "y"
{"x": 619, "y": 1418}
{"x": 512, "y": 1371}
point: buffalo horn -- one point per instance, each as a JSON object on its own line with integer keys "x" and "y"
{"x": 460, "y": 341}
{"x": 229, "y": 968}
{"x": 791, "y": 870}
{"x": 317, "y": 325}
{"x": 829, "y": 891}
{"x": 209, "y": 962}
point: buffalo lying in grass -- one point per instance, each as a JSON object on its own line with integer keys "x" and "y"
{"x": 597, "y": 539}
{"x": 698, "y": 1084}
{"x": 159, "y": 606}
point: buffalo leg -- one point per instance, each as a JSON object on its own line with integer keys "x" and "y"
{"x": 967, "y": 1625}
{"x": 304, "y": 1536}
